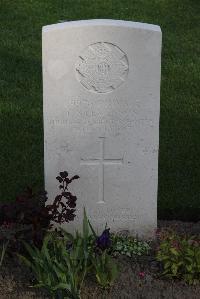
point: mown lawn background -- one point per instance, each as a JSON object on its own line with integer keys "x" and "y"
{"x": 21, "y": 128}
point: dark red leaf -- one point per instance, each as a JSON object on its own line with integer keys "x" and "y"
{"x": 63, "y": 174}
{"x": 59, "y": 179}
{"x": 75, "y": 177}
{"x": 66, "y": 194}
{"x": 71, "y": 204}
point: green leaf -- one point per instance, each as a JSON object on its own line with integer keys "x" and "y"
{"x": 85, "y": 225}
{"x": 189, "y": 267}
{"x": 114, "y": 271}
{"x": 189, "y": 259}
{"x": 62, "y": 286}
{"x": 24, "y": 260}
{"x": 3, "y": 251}
{"x": 190, "y": 252}
{"x": 92, "y": 229}
{"x": 31, "y": 250}
{"x": 167, "y": 265}
{"x": 174, "y": 251}
{"x": 174, "y": 269}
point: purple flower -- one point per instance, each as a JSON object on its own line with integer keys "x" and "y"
{"x": 103, "y": 242}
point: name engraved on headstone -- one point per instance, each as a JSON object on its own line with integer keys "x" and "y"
{"x": 81, "y": 113}
{"x": 110, "y": 126}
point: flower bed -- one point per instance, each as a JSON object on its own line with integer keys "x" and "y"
{"x": 138, "y": 278}
{"x": 84, "y": 265}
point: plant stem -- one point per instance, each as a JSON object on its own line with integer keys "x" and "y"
{"x": 4, "y": 247}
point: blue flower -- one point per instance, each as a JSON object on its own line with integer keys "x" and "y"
{"x": 103, "y": 242}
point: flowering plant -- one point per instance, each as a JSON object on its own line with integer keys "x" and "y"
{"x": 106, "y": 270}
{"x": 103, "y": 242}
{"x": 180, "y": 256}
{"x": 64, "y": 260}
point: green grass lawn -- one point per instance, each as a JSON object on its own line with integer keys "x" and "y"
{"x": 21, "y": 131}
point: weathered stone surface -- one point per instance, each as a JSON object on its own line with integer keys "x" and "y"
{"x": 101, "y": 81}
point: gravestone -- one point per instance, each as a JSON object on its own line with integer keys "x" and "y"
{"x": 101, "y": 85}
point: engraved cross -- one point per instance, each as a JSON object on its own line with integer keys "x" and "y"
{"x": 101, "y": 162}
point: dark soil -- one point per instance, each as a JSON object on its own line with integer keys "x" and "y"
{"x": 16, "y": 280}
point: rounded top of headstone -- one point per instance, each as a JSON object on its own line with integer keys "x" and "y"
{"x": 102, "y": 22}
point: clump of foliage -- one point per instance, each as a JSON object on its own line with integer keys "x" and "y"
{"x": 64, "y": 260}
{"x": 62, "y": 210}
{"x": 28, "y": 217}
{"x": 129, "y": 246}
{"x": 61, "y": 264}
{"x": 179, "y": 256}
{"x": 104, "y": 267}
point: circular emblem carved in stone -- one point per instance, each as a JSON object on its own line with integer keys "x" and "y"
{"x": 102, "y": 67}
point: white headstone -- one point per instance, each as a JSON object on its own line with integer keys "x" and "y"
{"x": 101, "y": 82}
